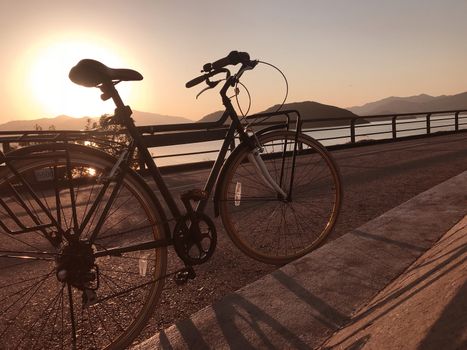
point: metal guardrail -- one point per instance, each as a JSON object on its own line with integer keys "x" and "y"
{"x": 354, "y": 129}
{"x": 457, "y": 121}
{"x": 346, "y": 130}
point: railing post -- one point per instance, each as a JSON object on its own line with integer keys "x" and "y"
{"x": 456, "y": 121}
{"x": 352, "y": 130}
{"x": 394, "y": 128}
{"x": 428, "y": 123}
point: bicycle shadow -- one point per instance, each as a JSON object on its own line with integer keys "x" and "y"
{"x": 234, "y": 316}
{"x": 244, "y": 325}
{"x": 237, "y": 317}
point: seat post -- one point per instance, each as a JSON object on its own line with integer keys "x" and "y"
{"x": 109, "y": 91}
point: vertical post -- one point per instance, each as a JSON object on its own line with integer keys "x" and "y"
{"x": 394, "y": 127}
{"x": 352, "y": 130}
{"x": 456, "y": 121}
{"x": 428, "y": 123}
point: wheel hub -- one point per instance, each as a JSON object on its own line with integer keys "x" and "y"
{"x": 76, "y": 265}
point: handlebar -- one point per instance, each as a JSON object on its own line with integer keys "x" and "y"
{"x": 232, "y": 58}
{"x": 210, "y": 69}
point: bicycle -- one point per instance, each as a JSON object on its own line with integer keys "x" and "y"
{"x": 84, "y": 240}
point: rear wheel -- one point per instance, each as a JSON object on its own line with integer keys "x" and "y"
{"x": 265, "y": 225}
{"x": 58, "y": 290}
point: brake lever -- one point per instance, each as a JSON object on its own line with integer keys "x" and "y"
{"x": 211, "y": 85}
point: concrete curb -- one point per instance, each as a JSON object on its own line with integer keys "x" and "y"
{"x": 301, "y": 304}
{"x": 424, "y": 308}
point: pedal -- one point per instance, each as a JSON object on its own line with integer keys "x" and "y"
{"x": 184, "y": 275}
{"x": 195, "y": 194}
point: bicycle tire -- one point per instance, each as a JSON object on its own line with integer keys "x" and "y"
{"x": 270, "y": 229}
{"x": 38, "y": 310}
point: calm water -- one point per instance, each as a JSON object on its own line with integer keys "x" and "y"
{"x": 363, "y": 132}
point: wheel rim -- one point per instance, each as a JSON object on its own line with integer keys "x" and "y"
{"x": 264, "y": 225}
{"x": 36, "y": 308}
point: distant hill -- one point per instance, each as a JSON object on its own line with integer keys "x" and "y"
{"x": 212, "y": 117}
{"x": 412, "y": 104}
{"x": 64, "y": 122}
{"x": 309, "y": 111}
{"x": 146, "y": 118}
{"x": 61, "y": 122}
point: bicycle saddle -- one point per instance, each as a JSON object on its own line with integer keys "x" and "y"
{"x": 91, "y": 73}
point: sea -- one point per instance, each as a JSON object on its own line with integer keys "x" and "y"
{"x": 374, "y": 130}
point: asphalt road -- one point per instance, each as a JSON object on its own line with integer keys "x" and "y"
{"x": 376, "y": 178}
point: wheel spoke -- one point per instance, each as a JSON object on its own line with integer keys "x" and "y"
{"x": 72, "y": 315}
{"x": 278, "y": 233}
{"x": 36, "y": 310}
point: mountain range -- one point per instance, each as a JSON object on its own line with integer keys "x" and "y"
{"x": 64, "y": 122}
{"x": 309, "y": 110}
{"x": 412, "y": 104}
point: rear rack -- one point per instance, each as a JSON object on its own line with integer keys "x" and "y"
{"x": 50, "y": 135}
{"x": 105, "y": 139}
{"x": 264, "y": 119}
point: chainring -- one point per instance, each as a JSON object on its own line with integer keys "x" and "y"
{"x": 195, "y": 238}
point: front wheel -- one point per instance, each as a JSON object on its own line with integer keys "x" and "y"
{"x": 261, "y": 221}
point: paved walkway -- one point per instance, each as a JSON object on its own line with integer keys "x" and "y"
{"x": 302, "y": 304}
{"x": 425, "y": 308}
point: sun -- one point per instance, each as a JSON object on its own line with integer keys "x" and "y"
{"x": 50, "y": 87}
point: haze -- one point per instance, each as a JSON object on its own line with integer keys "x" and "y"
{"x": 342, "y": 53}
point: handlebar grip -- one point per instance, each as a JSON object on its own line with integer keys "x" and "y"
{"x": 196, "y": 81}
{"x": 232, "y": 58}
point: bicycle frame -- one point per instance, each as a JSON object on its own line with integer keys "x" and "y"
{"x": 123, "y": 115}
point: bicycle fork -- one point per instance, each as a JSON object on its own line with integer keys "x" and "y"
{"x": 255, "y": 158}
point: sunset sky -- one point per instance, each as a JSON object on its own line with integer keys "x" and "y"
{"x": 343, "y": 53}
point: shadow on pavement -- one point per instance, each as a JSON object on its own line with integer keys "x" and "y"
{"x": 444, "y": 326}
{"x": 235, "y": 307}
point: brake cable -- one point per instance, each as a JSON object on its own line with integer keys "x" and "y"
{"x": 237, "y": 91}
{"x": 285, "y": 81}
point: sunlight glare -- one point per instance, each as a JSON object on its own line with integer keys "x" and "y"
{"x": 51, "y": 88}
{"x": 91, "y": 171}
